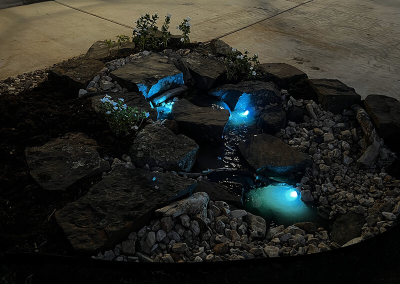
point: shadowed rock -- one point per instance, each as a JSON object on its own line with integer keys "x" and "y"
{"x": 158, "y": 146}
{"x": 282, "y": 74}
{"x": 258, "y": 94}
{"x": 76, "y": 73}
{"x": 100, "y": 50}
{"x": 130, "y": 99}
{"x": 271, "y": 157}
{"x": 152, "y": 75}
{"x": 122, "y": 202}
{"x": 207, "y": 73}
{"x": 62, "y": 162}
{"x": 347, "y": 227}
{"x": 218, "y": 191}
{"x": 335, "y": 96}
{"x": 200, "y": 123}
{"x": 385, "y": 113}
{"x": 272, "y": 120}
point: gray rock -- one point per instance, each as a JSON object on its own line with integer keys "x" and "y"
{"x": 194, "y": 205}
{"x": 256, "y": 224}
{"x": 203, "y": 124}
{"x": 156, "y": 145}
{"x": 166, "y": 224}
{"x": 128, "y": 247}
{"x": 167, "y": 258}
{"x": 109, "y": 255}
{"x": 306, "y": 196}
{"x": 282, "y": 74}
{"x": 172, "y": 235}
{"x": 334, "y": 95}
{"x": 206, "y": 72}
{"x": 194, "y": 227}
{"x": 271, "y": 251}
{"x": 76, "y": 73}
{"x": 62, "y": 162}
{"x": 152, "y": 75}
{"x": 347, "y": 227}
{"x": 238, "y": 213}
{"x": 185, "y": 220}
{"x": 353, "y": 241}
{"x": 271, "y": 157}
{"x": 389, "y": 216}
{"x": 106, "y": 85}
{"x": 160, "y": 235}
{"x": 180, "y": 248}
{"x": 272, "y": 120}
{"x": 94, "y": 221}
{"x": 151, "y": 239}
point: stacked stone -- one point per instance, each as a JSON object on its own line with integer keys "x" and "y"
{"x": 226, "y": 235}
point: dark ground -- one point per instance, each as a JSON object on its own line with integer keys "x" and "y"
{"x": 27, "y": 222}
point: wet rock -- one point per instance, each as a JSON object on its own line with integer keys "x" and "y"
{"x": 207, "y": 73}
{"x": 152, "y": 75}
{"x": 94, "y": 221}
{"x": 200, "y": 123}
{"x": 76, "y": 73}
{"x": 271, "y": 157}
{"x": 62, "y": 162}
{"x": 334, "y": 95}
{"x": 158, "y": 146}
{"x": 132, "y": 99}
{"x": 347, "y": 227}
{"x": 248, "y": 93}
{"x": 282, "y": 74}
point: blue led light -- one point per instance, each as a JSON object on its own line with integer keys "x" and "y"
{"x": 293, "y": 194}
{"x": 245, "y": 113}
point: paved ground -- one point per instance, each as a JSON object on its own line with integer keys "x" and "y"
{"x": 356, "y": 41}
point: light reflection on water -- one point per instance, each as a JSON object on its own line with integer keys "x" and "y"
{"x": 280, "y": 204}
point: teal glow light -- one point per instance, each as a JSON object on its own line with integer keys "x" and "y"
{"x": 242, "y": 115}
{"x": 280, "y": 203}
{"x": 165, "y": 111}
{"x": 162, "y": 86}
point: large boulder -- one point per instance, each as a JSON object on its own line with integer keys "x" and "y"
{"x": 158, "y": 146}
{"x": 152, "y": 75}
{"x": 247, "y": 94}
{"x": 385, "y": 113}
{"x": 282, "y": 74}
{"x": 76, "y": 73}
{"x": 207, "y": 73}
{"x": 132, "y": 99}
{"x": 271, "y": 157}
{"x": 347, "y": 227}
{"x": 100, "y": 50}
{"x": 335, "y": 96}
{"x": 122, "y": 202}
{"x": 64, "y": 161}
{"x": 272, "y": 120}
{"x": 204, "y": 124}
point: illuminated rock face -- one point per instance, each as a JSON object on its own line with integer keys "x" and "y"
{"x": 158, "y": 146}
{"x": 152, "y": 75}
{"x": 200, "y": 123}
{"x": 271, "y": 157}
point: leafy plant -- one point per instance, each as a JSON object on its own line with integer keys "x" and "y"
{"x": 164, "y": 30}
{"x": 121, "y": 117}
{"x": 145, "y": 31}
{"x": 120, "y": 39}
{"x": 185, "y": 28}
{"x": 241, "y": 65}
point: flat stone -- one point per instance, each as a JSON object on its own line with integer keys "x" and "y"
{"x": 247, "y": 94}
{"x": 271, "y": 157}
{"x": 282, "y": 74}
{"x": 119, "y": 204}
{"x": 216, "y": 47}
{"x": 152, "y": 75}
{"x": 207, "y": 73}
{"x": 76, "y": 73}
{"x": 218, "y": 191}
{"x": 335, "y": 96}
{"x": 203, "y": 124}
{"x": 132, "y": 99}
{"x": 158, "y": 146}
{"x": 100, "y": 50}
{"x": 385, "y": 113}
{"x": 62, "y": 162}
{"x": 347, "y": 227}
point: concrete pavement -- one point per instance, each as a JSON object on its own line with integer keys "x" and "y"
{"x": 355, "y": 41}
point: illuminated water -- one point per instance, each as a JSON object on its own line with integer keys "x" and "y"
{"x": 281, "y": 204}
